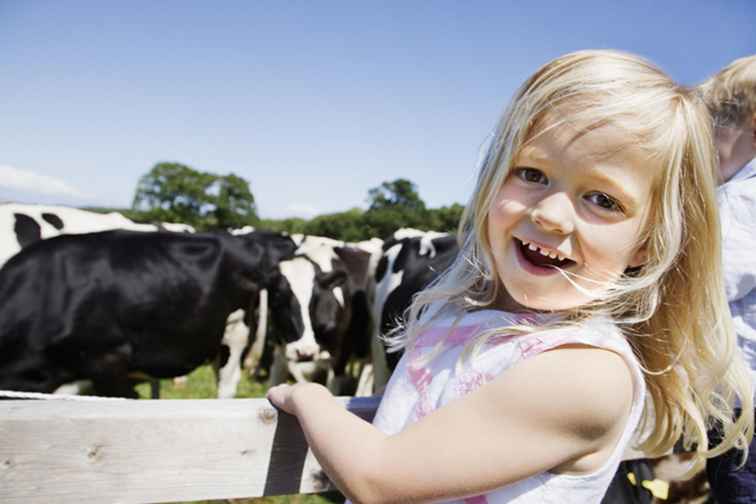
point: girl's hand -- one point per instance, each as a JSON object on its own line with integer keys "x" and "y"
{"x": 287, "y": 397}
{"x": 280, "y": 397}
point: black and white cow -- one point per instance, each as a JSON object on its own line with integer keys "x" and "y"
{"x": 324, "y": 301}
{"x": 23, "y": 224}
{"x": 106, "y": 306}
{"x": 410, "y": 261}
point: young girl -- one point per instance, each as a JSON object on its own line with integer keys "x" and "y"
{"x": 588, "y": 280}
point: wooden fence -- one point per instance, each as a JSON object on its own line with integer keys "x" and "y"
{"x": 155, "y": 451}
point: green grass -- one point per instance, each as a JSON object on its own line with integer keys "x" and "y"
{"x": 200, "y": 384}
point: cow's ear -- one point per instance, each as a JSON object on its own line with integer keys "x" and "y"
{"x": 332, "y": 279}
{"x": 281, "y": 249}
{"x": 357, "y": 263}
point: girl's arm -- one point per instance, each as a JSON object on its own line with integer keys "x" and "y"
{"x": 563, "y": 409}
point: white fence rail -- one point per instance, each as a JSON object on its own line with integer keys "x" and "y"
{"x": 155, "y": 451}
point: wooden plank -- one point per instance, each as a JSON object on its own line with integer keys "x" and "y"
{"x": 155, "y": 451}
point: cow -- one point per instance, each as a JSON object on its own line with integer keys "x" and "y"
{"x": 112, "y": 305}
{"x": 323, "y": 300}
{"x": 23, "y": 224}
{"x": 411, "y": 260}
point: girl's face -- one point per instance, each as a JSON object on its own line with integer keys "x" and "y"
{"x": 566, "y": 203}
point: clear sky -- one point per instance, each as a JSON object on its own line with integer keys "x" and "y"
{"x": 313, "y": 102}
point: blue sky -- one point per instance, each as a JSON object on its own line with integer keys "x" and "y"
{"x": 313, "y": 102}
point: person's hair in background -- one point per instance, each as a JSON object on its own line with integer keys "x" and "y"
{"x": 672, "y": 308}
{"x": 730, "y": 95}
{"x": 731, "y": 98}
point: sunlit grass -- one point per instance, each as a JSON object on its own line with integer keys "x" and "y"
{"x": 200, "y": 384}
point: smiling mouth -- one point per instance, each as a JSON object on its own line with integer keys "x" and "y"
{"x": 542, "y": 258}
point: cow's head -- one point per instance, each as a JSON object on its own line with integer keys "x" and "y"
{"x": 329, "y": 306}
{"x": 285, "y": 311}
{"x": 290, "y": 307}
{"x": 340, "y": 312}
{"x": 256, "y": 258}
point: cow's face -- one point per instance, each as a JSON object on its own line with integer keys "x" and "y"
{"x": 319, "y": 291}
{"x": 299, "y": 273}
{"x": 329, "y": 308}
{"x": 285, "y": 310}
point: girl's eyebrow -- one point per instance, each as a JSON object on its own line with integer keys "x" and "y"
{"x": 533, "y": 153}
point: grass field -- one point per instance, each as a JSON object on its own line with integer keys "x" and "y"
{"x": 201, "y": 385}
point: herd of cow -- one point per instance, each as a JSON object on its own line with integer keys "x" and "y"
{"x": 97, "y": 298}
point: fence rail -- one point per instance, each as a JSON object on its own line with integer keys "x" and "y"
{"x": 155, "y": 451}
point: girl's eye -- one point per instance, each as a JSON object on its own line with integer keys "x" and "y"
{"x": 532, "y": 175}
{"x": 604, "y": 201}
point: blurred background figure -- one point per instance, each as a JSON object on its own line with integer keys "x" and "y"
{"x": 731, "y": 98}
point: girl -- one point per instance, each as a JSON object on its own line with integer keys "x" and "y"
{"x": 588, "y": 280}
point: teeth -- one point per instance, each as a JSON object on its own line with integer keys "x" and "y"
{"x": 534, "y": 248}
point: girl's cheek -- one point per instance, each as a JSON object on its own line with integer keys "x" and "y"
{"x": 507, "y": 208}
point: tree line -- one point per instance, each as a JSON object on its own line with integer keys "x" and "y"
{"x": 174, "y": 192}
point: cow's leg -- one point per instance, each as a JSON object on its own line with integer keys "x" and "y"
{"x": 110, "y": 373}
{"x": 340, "y": 385}
{"x": 235, "y": 339}
{"x": 262, "y": 370}
{"x": 365, "y": 384}
{"x": 332, "y": 383}
{"x": 155, "y": 388}
{"x": 381, "y": 372}
{"x": 114, "y": 385}
{"x": 279, "y": 370}
{"x": 252, "y": 361}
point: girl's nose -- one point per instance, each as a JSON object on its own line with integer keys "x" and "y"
{"x": 554, "y": 213}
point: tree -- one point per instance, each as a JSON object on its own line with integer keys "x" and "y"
{"x": 173, "y": 192}
{"x": 445, "y": 218}
{"x": 234, "y": 203}
{"x": 347, "y": 226}
{"x": 399, "y": 193}
{"x": 393, "y": 205}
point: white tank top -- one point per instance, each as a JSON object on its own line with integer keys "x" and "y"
{"x": 416, "y": 390}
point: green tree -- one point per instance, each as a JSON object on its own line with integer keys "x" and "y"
{"x": 346, "y": 226}
{"x": 234, "y": 203}
{"x": 399, "y": 193}
{"x": 445, "y": 218}
{"x": 393, "y": 205}
{"x": 290, "y": 225}
{"x": 173, "y": 192}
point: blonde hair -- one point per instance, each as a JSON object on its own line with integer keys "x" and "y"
{"x": 731, "y": 93}
{"x": 672, "y": 310}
